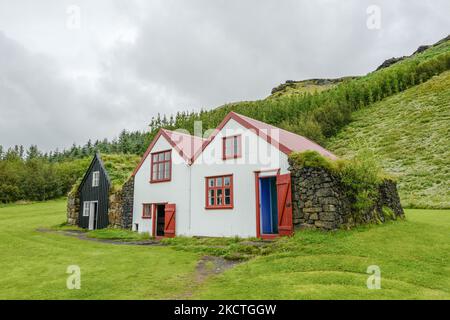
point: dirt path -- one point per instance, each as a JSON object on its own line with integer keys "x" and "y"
{"x": 83, "y": 236}
{"x": 207, "y": 267}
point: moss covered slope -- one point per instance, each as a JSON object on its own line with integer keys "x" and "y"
{"x": 410, "y": 132}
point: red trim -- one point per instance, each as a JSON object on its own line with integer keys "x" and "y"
{"x": 246, "y": 124}
{"x": 258, "y": 206}
{"x": 158, "y": 162}
{"x": 223, "y": 187}
{"x": 154, "y": 216}
{"x": 161, "y": 132}
{"x": 239, "y": 152}
{"x": 258, "y": 214}
{"x": 143, "y": 210}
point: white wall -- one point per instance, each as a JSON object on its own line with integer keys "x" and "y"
{"x": 257, "y": 155}
{"x": 174, "y": 191}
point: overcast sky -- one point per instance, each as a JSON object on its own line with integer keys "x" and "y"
{"x": 74, "y": 70}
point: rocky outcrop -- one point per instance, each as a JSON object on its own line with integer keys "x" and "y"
{"x": 321, "y": 201}
{"x": 391, "y": 61}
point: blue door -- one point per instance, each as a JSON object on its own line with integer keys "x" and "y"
{"x": 268, "y": 205}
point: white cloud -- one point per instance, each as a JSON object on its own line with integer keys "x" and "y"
{"x": 133, "y": 59}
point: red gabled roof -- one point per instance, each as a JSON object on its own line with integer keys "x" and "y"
{"x": 185, "y": 144}
{"x": 285, "y": 141}
{"x": 190, "y": 147}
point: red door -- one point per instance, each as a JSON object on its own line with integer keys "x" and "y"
{"x": 169, "y": 220}
{"x": 285, "y": 224}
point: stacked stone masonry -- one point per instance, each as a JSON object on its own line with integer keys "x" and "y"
{"x": 321, "y": 201}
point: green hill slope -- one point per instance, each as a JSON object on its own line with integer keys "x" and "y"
{"x": 410, "y": 132}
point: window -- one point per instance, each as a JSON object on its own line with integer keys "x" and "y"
{"x": 219, "y": 192}
{"x": 86, "y": 208}
{"x": 95, "y": 178}
{"x": 147, "y": 211}
{"x": 232, "y": 147}
{"x": 161, "y": 166}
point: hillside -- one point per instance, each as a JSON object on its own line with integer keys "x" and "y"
{"x": 410, "y": 133}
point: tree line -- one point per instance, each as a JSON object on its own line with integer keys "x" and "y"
{"x": 33, "y": 175}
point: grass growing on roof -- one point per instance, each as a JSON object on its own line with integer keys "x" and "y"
{"x": 118, "y": 166}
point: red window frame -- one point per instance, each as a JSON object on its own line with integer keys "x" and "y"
{"x": 158, "y": 162}
{"x": 236, "y": 139}
{"x": 150, "y": 206}
{"x": 221, "y": 187}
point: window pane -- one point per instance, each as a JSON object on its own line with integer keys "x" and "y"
{"x": 236, "y": 145}
{"x": 218, "y": 182}
{"x": 161, "y": 157}
{"x": 211, "y": 182}
{"x": 155, "y": 157}
{"x": 226, "y": 181}
{"x": 227, "y": 200}
{"x": 219, "y": 197}
{"x": 211, "y": 193}
{"x": 227, "y": 192}
{"x": 211, "y": 201}
{"x": 228, "y": 146}
{"x": 167, "y": 155}
{"x": 161, "y": 171}
{"x": 155, "y": 172}
{"x": 167, "y": 170}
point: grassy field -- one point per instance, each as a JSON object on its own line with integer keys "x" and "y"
{"x": 34, "y": 263}
{"x": 413, "y": 255}
{"x": 410, "y": 133}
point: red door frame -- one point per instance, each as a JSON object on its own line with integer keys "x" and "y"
{"x": 258, "y": 205}
{"x": 154, "y": 217}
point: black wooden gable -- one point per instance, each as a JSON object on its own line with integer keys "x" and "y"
{"x": 99, "y": 195}
{"x": 97, "y": 159}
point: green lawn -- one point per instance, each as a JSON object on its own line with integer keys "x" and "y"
{"x": 414, "y": 257}
{"x": 33, "y": 264}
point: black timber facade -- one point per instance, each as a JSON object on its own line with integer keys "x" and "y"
{"x": 100, "y": 193}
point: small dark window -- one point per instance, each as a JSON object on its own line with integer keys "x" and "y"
{"x": 232, "y": 147}
{"x": 147, "y": 211}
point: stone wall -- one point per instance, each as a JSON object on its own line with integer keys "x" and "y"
{"x": 115, "y": 209}
{"x": 321, "y": 201}
{"x": 73, "y": 209}
{"x": 127, "y": 203}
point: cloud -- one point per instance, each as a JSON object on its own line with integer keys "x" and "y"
{"x": 133, "y": 59}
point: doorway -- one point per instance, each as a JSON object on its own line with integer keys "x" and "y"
{"x": 268, "y": 205}
{"x": 160, "y": 219}
{"x": 93, "y": 215}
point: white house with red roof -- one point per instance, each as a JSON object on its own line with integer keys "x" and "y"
{"x": 234, "y": 183}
